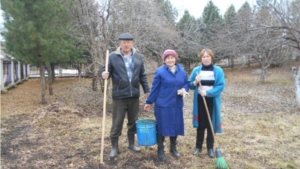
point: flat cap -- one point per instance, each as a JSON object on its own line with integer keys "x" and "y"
{"x": 126, "y": 36}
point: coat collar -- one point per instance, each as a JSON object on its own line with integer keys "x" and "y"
{"x": 118, "y": 51}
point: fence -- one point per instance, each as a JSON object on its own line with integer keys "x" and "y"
{"x": 59, "y": 72}
{"x": 13, "y": 73}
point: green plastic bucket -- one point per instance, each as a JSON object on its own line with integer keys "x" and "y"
{"x": 146, "y": 132}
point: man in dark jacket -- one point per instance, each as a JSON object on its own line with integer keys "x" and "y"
{"x": 126, "y": 68}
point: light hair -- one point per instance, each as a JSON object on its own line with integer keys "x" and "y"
{"x": 209, "y": 52}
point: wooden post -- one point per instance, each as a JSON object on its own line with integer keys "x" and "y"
{"x": 104, "y": 109}
{"x": 1, "y": 75}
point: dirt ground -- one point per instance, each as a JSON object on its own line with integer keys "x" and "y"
{"x": 260, "y": 120}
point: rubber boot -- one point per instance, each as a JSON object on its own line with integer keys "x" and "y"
{"x": 173, "y": 149}
{"x": 160, "y": 147}
{"x": 210, "y": 152}
{"x": 199, "y": 141}
{"x": 115, "y": 147}
{"x": 131, "y": 145}
{"x": 210, "y": 143}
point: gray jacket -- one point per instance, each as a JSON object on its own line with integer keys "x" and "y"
{"x": 122, "y": 87}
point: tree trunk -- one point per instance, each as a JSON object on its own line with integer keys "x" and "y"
{"x": 95, "y": 78}
{"x": 52, "y": 66}
{"x": 95, "y": 88}
{"x": 263, "y": 74}
{"x": 49, "y": 71}
{"x": 297, "y": 84}
{"x": 43, "y": 82}
{"x": 248, "y": 61}
{"x": 232, "y": 62}
{"x": 50, "y": 86}
{"x": 79, "y": 67}
{"x": 101, "y": 81}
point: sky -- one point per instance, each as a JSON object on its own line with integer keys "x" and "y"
{"x": 195, "y": 7}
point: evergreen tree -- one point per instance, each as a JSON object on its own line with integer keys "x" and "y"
{"x": 210, "y": 23}
{"x": 187, "y": 23}
{"x": 211, "y": 14}
{"x": 245, "y": 10}
{"x": 36, "y": 33}
{"x": 188, "y": 28}
{"x": 230, "y": 15}
{"x": 168, "y": 10}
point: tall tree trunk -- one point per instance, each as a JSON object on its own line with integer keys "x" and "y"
{"x": 50, "y": 86}
{"x": 101, "y": 81}
{"x": 52, "y": 66}
{"x": 50, "y": 82}
{"x": 50, "y": 79}
{"x": 43, "y": 82}
{"x": 95, "y": 78}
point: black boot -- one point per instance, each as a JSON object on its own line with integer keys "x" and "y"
{"x": 197, "y": 151}
{"x": 199, "y": 141}
{"x": 160, "y": 147}
{"x": 131, "y": 145}
{"x": 115, "y": 147}
{"x": 173, "y": 150}
{"x": 210, "y": 152}
{"x": 210, "y": 143}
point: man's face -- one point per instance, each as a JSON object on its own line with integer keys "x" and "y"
{"x": 126, "y": 45}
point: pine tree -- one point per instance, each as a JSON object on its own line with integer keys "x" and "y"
{"x": 210, "y": 22}
{"x": 36, "y": 32}
{"x": 211, "y": 14}
{"x": 230, "y": 15}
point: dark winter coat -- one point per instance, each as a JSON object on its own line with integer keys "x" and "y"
{"x": 122, "y": 86}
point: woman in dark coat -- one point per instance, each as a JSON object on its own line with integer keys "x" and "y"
{"x": 169, "y": 86}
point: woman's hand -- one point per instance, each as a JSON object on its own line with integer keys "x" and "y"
{"x": 198, "y": 79}
{"x": 203, "y": 92}
{"x": 147, "y": 107}
{"x": 181, "y": 92}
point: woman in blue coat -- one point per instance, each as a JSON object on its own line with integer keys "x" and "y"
{"x": 212, "y": 80}
{"x": 169, "y": 86}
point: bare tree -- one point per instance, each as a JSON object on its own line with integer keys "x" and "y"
{"x": 248, "y": 34}
{"x": 101, "y": 22}
{"x": 146, "y": 21}
{"x": 265, "y": 45}
{"x": 88, "y": 20}
{"x": 287, "y": 13}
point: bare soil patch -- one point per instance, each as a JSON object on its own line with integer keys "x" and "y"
{"x": 261, "y": 127}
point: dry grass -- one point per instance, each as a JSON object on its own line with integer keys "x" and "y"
{"x": 261, "y": 127}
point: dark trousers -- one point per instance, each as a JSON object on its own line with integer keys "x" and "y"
{"x": 120, "y": 108}
{"x": 204, "y": 123}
